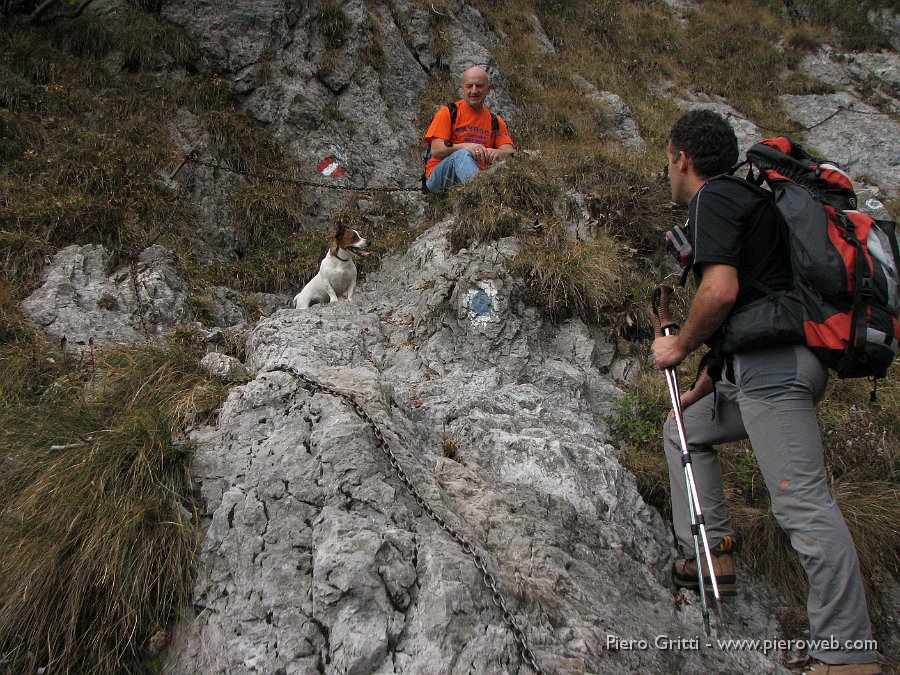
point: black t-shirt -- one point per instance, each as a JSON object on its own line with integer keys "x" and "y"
{"x": 733, "y": 222}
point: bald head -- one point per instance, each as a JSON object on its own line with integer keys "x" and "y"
{"x": 477, "y": 72}
{"x": 475, "y": 85}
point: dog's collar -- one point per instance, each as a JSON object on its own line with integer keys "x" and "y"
{"x": 340, "y": 258}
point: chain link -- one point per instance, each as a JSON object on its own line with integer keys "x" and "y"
{"x": 137, "y": 297}
{"x": 490, "y": 581}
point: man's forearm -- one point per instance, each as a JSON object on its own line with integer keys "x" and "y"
{"x": 444, "y": 151}
{"x": 712, "y": 302}
{"x": 708, "y": 312}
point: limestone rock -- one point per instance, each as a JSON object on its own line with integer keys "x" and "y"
{"x": 887, "y": 21}
{"x": 862, "y": 140}
{"x": 877, "y": 73}
{"x": 681, "y": 8}
{"x": 472, "y": 40}
{"x": 540, "y": 35}
{"x": 622, "y": 127}
{"x": 858, "y": 137}
{"x": 314, "y": 556}
{"x": 224, "y": 367}
{"x": 321, "y": 94}
{"x": 227, "y": 307}
{"x": 86, "y": 301}
{"x": 746, "y": 131}
{"x": 214, "y": 239}
{"x": 267, "y": 303}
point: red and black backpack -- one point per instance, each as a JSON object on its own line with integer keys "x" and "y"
{"x": 845, "y": 300}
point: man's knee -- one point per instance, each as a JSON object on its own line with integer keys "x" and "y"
{"x": 671, "y": 441}
{"x": 457, "y": 168}
{"x": 465, "y": 166}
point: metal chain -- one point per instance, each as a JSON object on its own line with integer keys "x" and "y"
{"x": 489, "y": 579}
{"x": 297, "y": 181}
{"x": 835, "y": 113}
{"x": 137, "y": 297}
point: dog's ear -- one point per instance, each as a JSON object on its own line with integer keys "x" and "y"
{"x": 339, "y": 231}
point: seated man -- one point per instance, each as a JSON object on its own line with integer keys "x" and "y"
{"x": 471, "y": 142}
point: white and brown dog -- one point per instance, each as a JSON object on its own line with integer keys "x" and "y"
{"x": 337, "y": 272}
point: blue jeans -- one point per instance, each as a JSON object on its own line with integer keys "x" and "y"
{"x": 457, "y": 168}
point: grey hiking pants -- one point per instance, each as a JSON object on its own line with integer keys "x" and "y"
{"x": 770, "y": 397}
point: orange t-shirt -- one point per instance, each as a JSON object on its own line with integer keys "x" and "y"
{"x": 471, "y": 127}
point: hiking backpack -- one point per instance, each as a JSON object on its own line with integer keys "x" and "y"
{"x": 495, "y": 131}
{"x": 845, "y": 299}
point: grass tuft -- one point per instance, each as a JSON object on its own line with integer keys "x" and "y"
{"x": 97, "y": 535}
{"x": 502, "y": 202}
{"x": 260, "y": 208}
{"x": 84, "y": 36}
{"x": 239, "y": 141}
{"x": 849, "y": 21}
{"x": 19, "y": 134}
{"x": 570, "y": 278}
{"x": 332, "y": 24}
{"x": 625, "y": 202}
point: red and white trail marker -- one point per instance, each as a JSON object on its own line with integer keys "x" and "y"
{"x": 331, "y": 168}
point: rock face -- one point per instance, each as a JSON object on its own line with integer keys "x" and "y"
{"x": 88, "y": 302}
{"x": 315, "y": 558}
{"x": 622, "y": 127}
{"x": 317, "y": 81}
{"x": 859, "y": 138}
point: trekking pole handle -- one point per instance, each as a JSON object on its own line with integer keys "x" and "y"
{"x": 662, "y": 320}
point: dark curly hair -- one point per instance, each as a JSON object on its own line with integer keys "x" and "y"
{"x": 708, "y": 140}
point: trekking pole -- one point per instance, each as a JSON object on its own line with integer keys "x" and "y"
{"x": 664, "y": 326}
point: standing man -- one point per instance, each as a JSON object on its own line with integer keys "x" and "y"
{"x": 463, "y": 147}
{"x": 766, "y": 394}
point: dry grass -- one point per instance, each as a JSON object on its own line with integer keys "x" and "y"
{"x": 283, "y": 267}
{"x": 97, "y": 535}
{"x": 626, "y": 202}
{"x": 848, "y": 20}
{"x": 563, "y": 277}
{"x": 870, "y": 511}
{"x": 571, "y": 278}
{"x": 240, "y": 142}
{"x": 521, "y": 193}
{"x": 19, "y": 134}
{"x": 64, "y": 181}
{"x": 261, "y": 208}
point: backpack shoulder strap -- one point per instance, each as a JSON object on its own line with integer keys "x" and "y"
{"x": 751, "y": 183}
{"x": 753, "y": 186}
{"x": 453, "y": 110}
